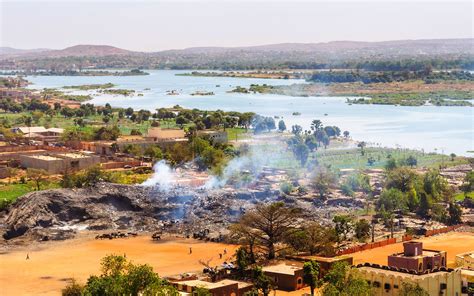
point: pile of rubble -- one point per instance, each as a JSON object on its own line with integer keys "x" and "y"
{"x": 59, "y": 213}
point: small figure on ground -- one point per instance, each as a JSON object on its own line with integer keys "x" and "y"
{"x": 27, "y": 256}
{"x": 190, "y": 250}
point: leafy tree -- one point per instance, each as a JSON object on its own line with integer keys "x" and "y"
{"x": 316, "y": 125}
{"x": 281, "y": 126}
{"x": 154, "y": 152}
{"x": 346, "y": 134}
{"x": 201, "y": 291}
{"x": 311, "y": 275}
{"x": 262, "y": 282}
{"x": 301, "y": 153}
{"x": 296, "y": 129}
{"x": 120, "y": 277}
{"x": 402, "y": 178}
{"x": 37, "y": 175}
{"x": 426, "y": 203}
{"x": 391, "y": 164}
{"x": 242, "y": 260}
{"x": 343, "y": 225}
{"x": 107, "y": 133}
{"x": 133, "y": 149}
{"x": 315, "y": 239}
{"x": 468, "y": 184}
{"x": 454, "y": 214}
{"x": 362, "y": 229}
{"x": 321, "y": 181}
{"x": 344, "y": 281}
{"x": 362, "y": 146}
{"x": 392, "y": 200}
{"x": 411, "y": 161}
{"x": 453, "y": 156}
{"x": 410, "y": 289}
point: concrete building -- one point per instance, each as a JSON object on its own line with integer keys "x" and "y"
{"x": 414, "y": 257}
{"x": 387, "y": 281}
{"x": 465, "y": 260}
{"x": 58, "y": 163}
{"x": 221, "y": 288}
{"x": 285, "y": 276}
{"x": 467, "y": 282}
{"x": 157, "y": 134}
{"x": 40, "y": 133}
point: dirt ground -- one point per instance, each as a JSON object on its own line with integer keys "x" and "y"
{"x": 453, "y": 243}
{"x": 51, "y": 265}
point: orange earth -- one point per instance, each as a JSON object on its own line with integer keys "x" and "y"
{"x": 453, "y": 243}
{"x": 52, "y": 264}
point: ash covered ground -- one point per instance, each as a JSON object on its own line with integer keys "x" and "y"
{"x": 167, "y": 202}
{"x": 60, "y": 213}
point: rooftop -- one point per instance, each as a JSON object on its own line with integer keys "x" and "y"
{"x": 43, "y": 157}
{"x": 282, "y": 268}
{"x": 209, "y": 285}
{"x": 396, "y": 272}
{"x": 72, "y": 155}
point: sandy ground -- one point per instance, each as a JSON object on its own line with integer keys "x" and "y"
{"x": 453, "y": 243}
{"x": 50, "y": 266}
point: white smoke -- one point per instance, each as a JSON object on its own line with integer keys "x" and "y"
{"x": 251, "y": 164}
{"x": 164, "y": 177}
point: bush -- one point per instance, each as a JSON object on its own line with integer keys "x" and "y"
{"x": 286, "y": 188}
{"x": 73, "y": 289}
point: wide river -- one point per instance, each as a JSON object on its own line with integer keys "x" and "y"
{"x": 442, "y": 129}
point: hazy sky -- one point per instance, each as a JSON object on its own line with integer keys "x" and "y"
{"x": 158, "y": 25}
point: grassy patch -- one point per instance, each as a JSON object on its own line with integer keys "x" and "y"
{"x": 235, "y": 134}
{"x": 10, "y": 192}
{"x": 352, "y": 158}
{"x": 462, "y": 196}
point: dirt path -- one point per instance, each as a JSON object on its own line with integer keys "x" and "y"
{"x": 454, "y": 243}
{"x": 47, "y": 270}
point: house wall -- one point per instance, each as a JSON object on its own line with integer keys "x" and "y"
{"x": 388, "y": 284}
{"x": 287, "y": 282}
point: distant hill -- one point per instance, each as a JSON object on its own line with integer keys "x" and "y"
{"x": 15, "y": 51}
{"x": 426, "y": 45}
{"x": 73, "y": 51}
{"x": 442, "y": 53}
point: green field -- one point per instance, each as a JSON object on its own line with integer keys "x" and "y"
{"x": 352, "y": 158}
{"x": 462, "y": 196}
{"x": 10, "y": 192}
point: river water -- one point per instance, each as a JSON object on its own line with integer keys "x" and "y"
{"x": 431, "y": 128}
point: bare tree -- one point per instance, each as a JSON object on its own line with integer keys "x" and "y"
{"x": 270, "y": 224}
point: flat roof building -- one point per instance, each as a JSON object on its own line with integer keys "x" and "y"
{"x": 414, "y": 257}
{"x": 58, "y": 163}
{"x": 288, "y": 277}
{"x": 387, "y": 281}
{"x": 224, "y": 287}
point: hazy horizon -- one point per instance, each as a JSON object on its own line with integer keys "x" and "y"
{"x": 163, "y": 25}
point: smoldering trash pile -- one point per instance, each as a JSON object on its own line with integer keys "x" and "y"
{"x": 162, "y": 204}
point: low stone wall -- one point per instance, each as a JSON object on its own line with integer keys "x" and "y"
{"x": 120, "y": 164}
{"x": 442, "y": 230}
{"x": 367, "y": 246}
